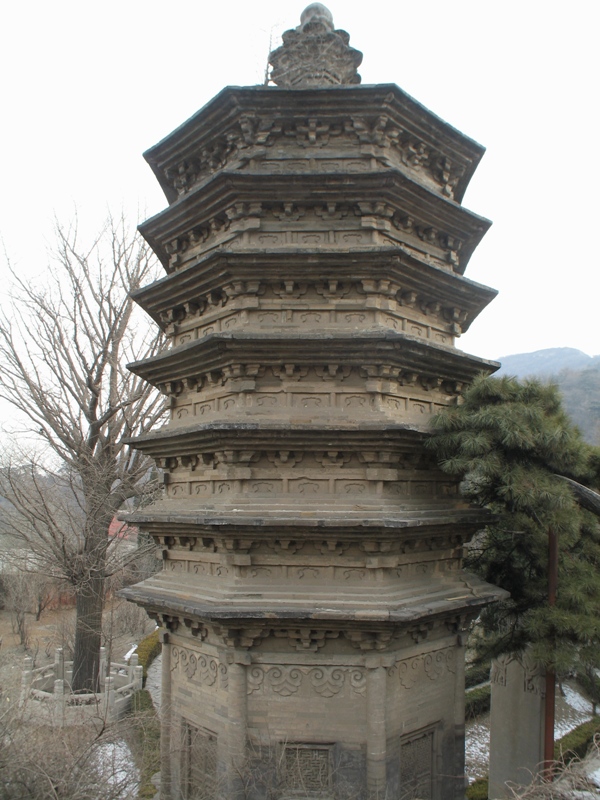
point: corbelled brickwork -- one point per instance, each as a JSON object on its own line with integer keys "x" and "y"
{"x": 312, "y": 597}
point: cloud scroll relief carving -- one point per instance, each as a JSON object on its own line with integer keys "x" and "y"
{"x": 431, "y": 665}
{"x": 324, "y": 681}
{"x": 201, "y": 668}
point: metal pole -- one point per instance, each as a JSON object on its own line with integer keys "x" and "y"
{"x": 550, "y": 674}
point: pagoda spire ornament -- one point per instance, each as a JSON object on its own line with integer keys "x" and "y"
{"x": 315, "y": 54}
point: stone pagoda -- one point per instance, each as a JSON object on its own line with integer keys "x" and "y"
{"x": 312, "y": 601}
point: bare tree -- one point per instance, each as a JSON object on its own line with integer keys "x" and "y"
{"x": 80, "y": 762}
{"x": 63, "y": 355}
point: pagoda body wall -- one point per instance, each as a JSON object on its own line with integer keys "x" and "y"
{"x": 312, "y": 600}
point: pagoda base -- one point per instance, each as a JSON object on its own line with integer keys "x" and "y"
{"x": 292, "y": 716}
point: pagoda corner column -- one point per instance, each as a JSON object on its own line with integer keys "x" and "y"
{"x": 237, "y": 716}
{"x": 376, "y": 728}
{"x": 459, "y": 715}
{"x": 165, "y": 717}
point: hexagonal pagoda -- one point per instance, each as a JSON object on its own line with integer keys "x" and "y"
{"x": 312, "y": 598}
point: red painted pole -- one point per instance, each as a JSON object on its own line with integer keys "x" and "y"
{"x": 550, "y": 675}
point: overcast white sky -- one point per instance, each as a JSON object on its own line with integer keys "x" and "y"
{"x": 88, "y": 86}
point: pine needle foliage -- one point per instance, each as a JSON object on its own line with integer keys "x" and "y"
{"x": 509, "y": 441}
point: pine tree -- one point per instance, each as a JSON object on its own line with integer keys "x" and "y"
{"x": 513, "y": 445}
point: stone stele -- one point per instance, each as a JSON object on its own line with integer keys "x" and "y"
{"x": 312, "y": 600}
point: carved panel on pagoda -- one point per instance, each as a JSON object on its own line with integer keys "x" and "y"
{"x": 284, "y": 304}
{"x": 321, "y": 391}
{"x": 359, "y": 576}
{"x": 331, "y": 225}
{"x": 287, "y": 318}
{"x": 202, "y": 648}
{"x": 347, "y": 143}
{"x": 304, "y": 477}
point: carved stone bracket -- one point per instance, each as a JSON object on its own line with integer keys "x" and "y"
{"x": 303, "y": 639}
{"x": 419, "y": 633}
{"x": 286, "y": 458}
{"x": 370, "y": 640}
{"x": 197, "y": 629}
{"x": 243, "y": 637}
{"x": 332, "y": 458}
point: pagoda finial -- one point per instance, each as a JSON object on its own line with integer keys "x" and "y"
{"x": 315, "y": 54}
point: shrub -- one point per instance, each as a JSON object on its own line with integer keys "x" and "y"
{"x": 147, "y": 650}
{"x": 577, "y": 742}
{"x": 476, "y": 674}
{"x": 477, "y": 701}
{"x": 478, "y": 790}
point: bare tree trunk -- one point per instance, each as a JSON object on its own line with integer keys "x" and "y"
{"x": 88, "y": 634}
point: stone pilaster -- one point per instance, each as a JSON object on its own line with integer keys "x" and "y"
{"x": 376, "y": 728}
{"x": 166, "y": 723}
{"x": 237, "y": 720}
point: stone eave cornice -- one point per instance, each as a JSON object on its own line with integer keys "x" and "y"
{"x": 181, "y": 440}
{"x": 219, "y": 267}
{"x": 464, "y": 592}
{"x": 214, "y": 198}
{"x": 218, "y": 116}
{"x": 217, "y": 350}
{"x": 349, "y": 524}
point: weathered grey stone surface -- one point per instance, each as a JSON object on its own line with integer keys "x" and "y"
{"x": 313, "y": 604}
{"x": 516, "y": 723}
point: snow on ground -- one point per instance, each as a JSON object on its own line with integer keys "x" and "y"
{"x": 571, "y": 711}
{"x": 153, "y": 681}
{"x": 117, "y": 768}
{"x": 477, "y": 747}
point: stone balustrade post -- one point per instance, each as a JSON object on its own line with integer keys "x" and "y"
{"x": 59, "y": 664}
{"x": 138, "y": 677}
{"x": 26, "y": 680}
{"x": 133, "y": 663}
{"x": 60, "y": 701}
{"x": 109, "y": 699}
{"x": 102, "y": 668}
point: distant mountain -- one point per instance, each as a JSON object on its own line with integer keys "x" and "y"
{"x": 546, "y": 362}
{"x": 576, "y": 374}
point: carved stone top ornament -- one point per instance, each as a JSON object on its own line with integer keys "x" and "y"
{"x": 315, "y": 54}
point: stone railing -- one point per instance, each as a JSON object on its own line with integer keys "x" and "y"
{"x": 46, "y": 691}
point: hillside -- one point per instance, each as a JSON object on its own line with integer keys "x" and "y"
{"x": 548, "y": 362}
{"x": 576, "y": 374}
